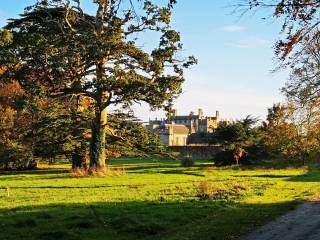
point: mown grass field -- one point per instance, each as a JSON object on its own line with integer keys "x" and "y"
{"x": 153, "y": 200}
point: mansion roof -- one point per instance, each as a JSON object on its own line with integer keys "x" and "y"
{"x": 178, "y": 129}
{"x": 191, "y": 117}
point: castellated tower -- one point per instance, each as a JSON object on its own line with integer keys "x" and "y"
{"x": 200, "y": 113}
{"x": 217, "y": 115}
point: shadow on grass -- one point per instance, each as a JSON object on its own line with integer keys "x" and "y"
{"x": 166, "y": 170}
{"x": 264, "y": 176}
{"x": 310, "y": 176}
{"x": 144, "y": 167}
{"x": 138, "y": 161}
{"x": 137, "y": 220}
{"x": 191, "y": 173}
{"x": 37, "y": 171}
{"x": 43, "y": 174}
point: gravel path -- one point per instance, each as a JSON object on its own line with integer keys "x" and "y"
{"x": 302, "y": 223}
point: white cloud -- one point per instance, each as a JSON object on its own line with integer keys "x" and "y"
{"x": 233, "y": 28}
{"x": 250, "y": 42}
{"x": 238, "y": 45}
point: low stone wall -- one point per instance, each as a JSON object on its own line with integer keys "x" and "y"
{"x": 195, "y": 152}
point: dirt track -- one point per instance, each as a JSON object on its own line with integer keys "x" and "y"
{"x": 302, "y": 223}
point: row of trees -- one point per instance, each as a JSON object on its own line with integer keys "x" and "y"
{"x": 43, "y": 128}
{"x": 291, "y": 133}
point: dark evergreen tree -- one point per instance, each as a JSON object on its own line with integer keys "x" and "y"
{"x": 57, "y": 49}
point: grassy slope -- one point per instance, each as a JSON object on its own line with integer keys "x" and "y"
{"x": 154, "y": 200}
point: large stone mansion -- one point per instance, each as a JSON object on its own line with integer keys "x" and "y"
{"x": 178, "y": 130}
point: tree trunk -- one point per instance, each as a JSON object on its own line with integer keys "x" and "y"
{"x": 99, "y": 126}
{"x": 98, "y": 140}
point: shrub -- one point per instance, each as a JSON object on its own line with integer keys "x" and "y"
{"x": 187, "y": 162}
{"x": 16, "y": 157}
{"x": 212, "y": 191}
{"x": 224, "y": 158}
{"x": 207, "y": 191}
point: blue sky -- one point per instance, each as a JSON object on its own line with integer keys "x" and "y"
{"x": 235, "y": 59}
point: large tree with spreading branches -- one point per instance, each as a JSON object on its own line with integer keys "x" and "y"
{"x": 58, "y": 49}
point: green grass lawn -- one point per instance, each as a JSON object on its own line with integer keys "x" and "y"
{"x": 153, "y": 200}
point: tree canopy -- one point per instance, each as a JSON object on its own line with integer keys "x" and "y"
{"x": 57, "y": 49}
{"x": 243, "y": 136}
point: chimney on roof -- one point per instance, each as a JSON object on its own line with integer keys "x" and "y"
{"x": 200, "y": 113}
{"x": 217, "y": 115}
{"x": 174, "y": 113}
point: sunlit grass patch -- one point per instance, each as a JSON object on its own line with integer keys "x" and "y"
{"x": 155, "y": 199}
{"x": 219, "y": 191}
